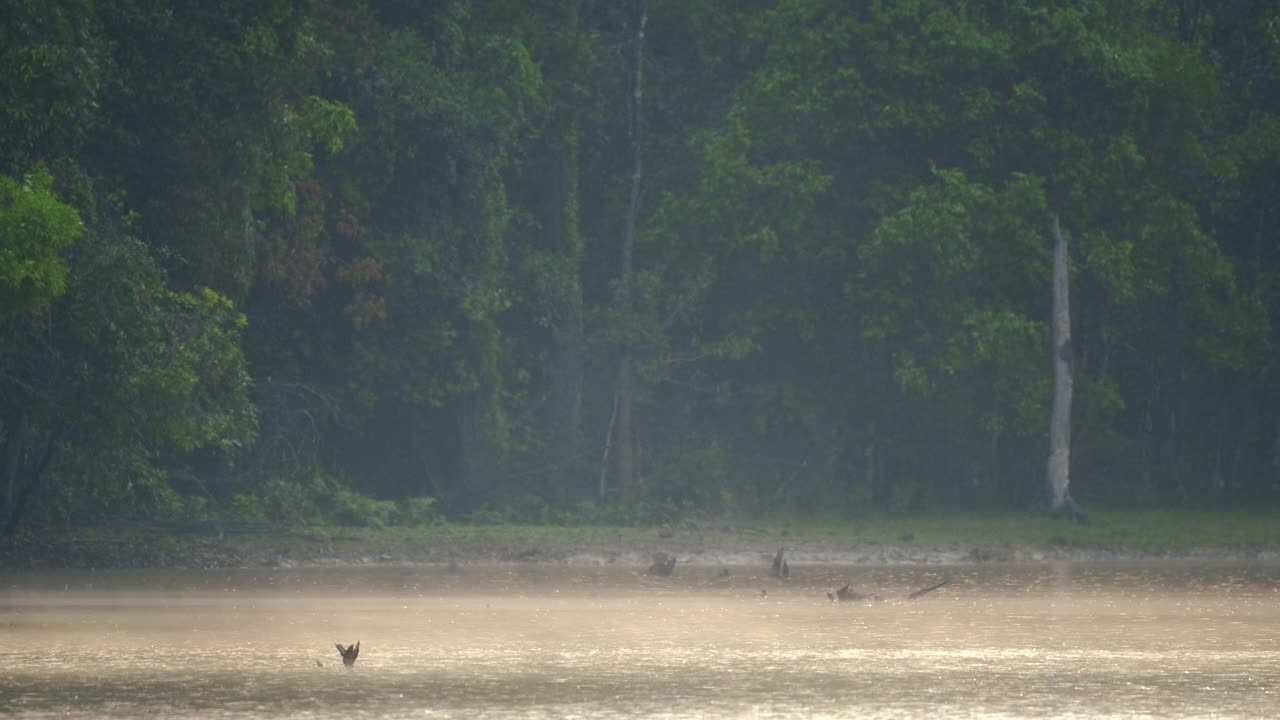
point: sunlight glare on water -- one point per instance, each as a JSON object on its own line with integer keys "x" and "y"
{"x": 530, "y": 641}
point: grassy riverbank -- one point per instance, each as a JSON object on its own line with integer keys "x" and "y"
{"x": 935, "y": 538}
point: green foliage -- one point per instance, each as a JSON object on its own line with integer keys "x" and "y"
{"x": 36, "y": 229}
{"x": 696, "y": 473}
{"x": 325, "y": 500}
{"x": 416, "y": 512}
{"x": 380, "y": 242}
{"x": 197, "y": 369}
{"x": 118, "y": 373}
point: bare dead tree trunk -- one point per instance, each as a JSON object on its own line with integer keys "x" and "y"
{"x": 1060, "y": 501}
{"x": 626, "y": 371}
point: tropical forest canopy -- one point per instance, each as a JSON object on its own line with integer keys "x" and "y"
{"x": 624, "y": 260}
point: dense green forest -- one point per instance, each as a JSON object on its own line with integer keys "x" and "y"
{"x": 627, "y": 260}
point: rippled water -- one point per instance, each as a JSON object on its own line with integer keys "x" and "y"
{"x": 1156, "y": 641}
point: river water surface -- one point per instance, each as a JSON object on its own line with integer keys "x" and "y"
{"x": 556, "y": 641}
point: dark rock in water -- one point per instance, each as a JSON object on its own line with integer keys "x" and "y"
{"x": 349, "y": 653}
{"x": 663, "y": 564}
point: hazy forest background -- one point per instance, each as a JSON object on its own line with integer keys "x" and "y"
{"x": 387, "y": 261}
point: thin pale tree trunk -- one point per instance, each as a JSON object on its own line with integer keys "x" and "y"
{"x": 625, "y": 438}
{"x": 1060, "y": 501}
{"x": 608, "y": 445}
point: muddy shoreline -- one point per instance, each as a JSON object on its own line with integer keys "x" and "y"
{"x": 35, "y": 553}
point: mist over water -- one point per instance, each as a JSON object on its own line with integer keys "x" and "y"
{"x": 541, "y": 641}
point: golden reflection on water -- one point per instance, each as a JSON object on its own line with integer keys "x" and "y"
{"x": 1168, "y": 640}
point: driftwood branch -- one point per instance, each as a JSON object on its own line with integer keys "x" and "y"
{"x": 849, "y": 594}
{"x": 924, "y": 591}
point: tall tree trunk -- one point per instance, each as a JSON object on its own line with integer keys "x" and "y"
{"x": 608, "y": 446}
{"x": 34, "y": 482}
{"x": 420, "y": 442}
{"x": 14, "y": 447}
{"x": 565, "y": 236}
{"x": 624, "y": 429}
{"x": 625, "y": 435}
{"x": 566, "y": 421}
{"x": 476, "y": 450}
{"x": 1060, "y": 501}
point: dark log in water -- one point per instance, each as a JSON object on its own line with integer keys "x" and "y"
{"x": 848, "y": 593}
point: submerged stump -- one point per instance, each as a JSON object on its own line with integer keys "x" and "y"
{"x": 780, "y": 567}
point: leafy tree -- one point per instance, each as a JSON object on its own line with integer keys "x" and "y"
{"x": 917, "y": 150}
{"x": 35, "y": 230}
{"x": 111, "y": 378}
